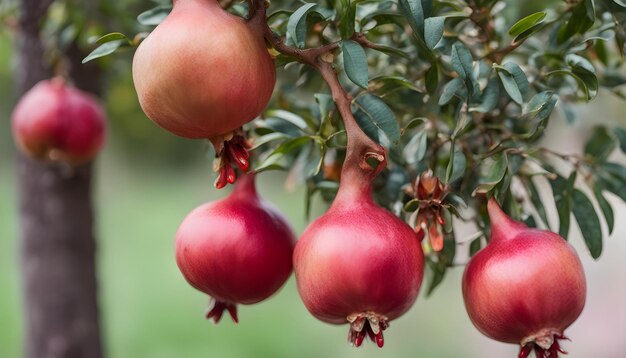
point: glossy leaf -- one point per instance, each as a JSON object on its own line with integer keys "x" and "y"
{"x": 355, "y": 63}
{"x": 600, "y": 144}
{"x": 526, "y": 23}
{"x": 562, "y": 191}
{"x": 588, "y": 222}
{"x": 494, "y": 171}
{"x": 620, "y": 133}
{"x": 374, "y": 115}
{"x": 606, "y": 208}
{"x": 433, "y": 30}
{"x": 105, "y": 49}
{"x": 155, "y": 16}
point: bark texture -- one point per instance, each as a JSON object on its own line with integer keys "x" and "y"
{"x": 57, "y": 241}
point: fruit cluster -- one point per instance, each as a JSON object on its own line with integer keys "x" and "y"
{"x": 204, "y": 73}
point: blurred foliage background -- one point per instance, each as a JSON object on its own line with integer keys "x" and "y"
{"x": 148, "y": 180}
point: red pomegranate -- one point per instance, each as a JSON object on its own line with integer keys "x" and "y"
{"x": 54, "y": 121}
{"x": 236, "y": 250}
{"x": 202, "y": 72}
{"x": 358, "y": 263}
{"x": 526, "y": 287}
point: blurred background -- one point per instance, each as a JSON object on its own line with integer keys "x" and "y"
{"x": 147, "y": 180}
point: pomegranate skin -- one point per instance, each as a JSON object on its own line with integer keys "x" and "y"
{"x": 358, "y": 262}
{"x": 526, "y": 287}
{"x": 238, "y": 250}
{"x": 202, "y": 72}
{"x": 54, "y": 121}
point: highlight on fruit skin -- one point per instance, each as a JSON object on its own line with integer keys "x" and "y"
{"x": 54, "y": 121}
{"x": 526, "y": 287}
{"x": 238, "y": 250}
{"x": 203, "y": 72}
{"x": 358, "y": 263}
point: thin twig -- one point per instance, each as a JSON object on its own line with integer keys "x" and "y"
{"x": 362, "y": 147}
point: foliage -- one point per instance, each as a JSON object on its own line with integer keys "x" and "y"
{"x": 463, "y": 88}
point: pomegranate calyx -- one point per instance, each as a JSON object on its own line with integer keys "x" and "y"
{"x": 216, "y": 310}
{"x": 230, "y": 153}
{"x": 368, "y": 324}
{"x": 545, "y": 344}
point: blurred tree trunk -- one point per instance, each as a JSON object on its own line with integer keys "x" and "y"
{"x": 57, "y": 241}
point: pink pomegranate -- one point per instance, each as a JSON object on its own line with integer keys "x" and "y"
{"x": 358, "y": 263}
{"x": 237, "y": 250}
{"x": 526, "y": 287}
{"x": 202, "y": 72}
{"x": 54, "y": 121}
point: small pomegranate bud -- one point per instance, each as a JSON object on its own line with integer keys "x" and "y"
{"x": 430, "y": 193}
{"x": 54, "y": 121}
{"x": 429, "y": 187}
{"x": 526, "y": 287}
{"x": 237, "y": 250}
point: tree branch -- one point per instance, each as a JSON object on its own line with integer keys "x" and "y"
{"x": 360, "y": 147}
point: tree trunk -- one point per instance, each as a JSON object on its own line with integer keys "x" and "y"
{"x": 57, "y": 241}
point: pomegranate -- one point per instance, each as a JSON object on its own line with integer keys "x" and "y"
{"x": 54, "y": 121}
{"x": 203, "y": 73}
{"x": 525, "y": 287}
{"x": 358, "y": 263}
{"x": 236, "y": 250}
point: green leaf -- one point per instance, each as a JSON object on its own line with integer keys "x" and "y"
{"x": 489, "y": 99}
{"x": 600, "y": 145}
{"x": 526, "y": 23}
{"x": 347, "y": 17}
{"x": 445, "y": 259}
{"x": 588, "y": 222}
{"x": 104, "y": 50}
{"x": 412, "y": 205}
{"x": 521, "y": 81}
{"x": 450, "y": 90}
{"x": 616, "y": 170}
{"x": 462, "y": 62}
{"x": 583, "y": 17}
{"x": 297, "y": 24}
{"x": 612, "y": 177}
{"x": 384, "y": 84}
{"x": 414, "y": 13}
{"x": 562, "y": 191}
{"x": 155, "y": 16}
{"x": 432, "y": 79}
{"x": 620, "y": 133}
{"x": 584, "y": 72}
{"x": 355, "y": 63}
{"x": 433, "y": 30}
{"x": 510, "y": 86}
{"x": 267, "y": 139}
{"x": 493, "y": 170}
{"x": 290, "y": 117}
{"x": 538, "y": 110}
{"x": 114, "y": 36}
{"x": 475, "y": 246}
{"x": 459, "y": 166}
{"x": 374, "y": 115}
{"x": 605, "y": 206}
{"x": 536, "y": 200}
{"x": 291, "y": 145}
{"x": 416, "y": 148}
